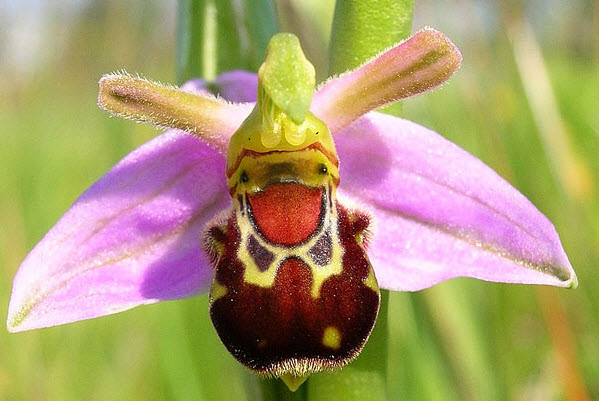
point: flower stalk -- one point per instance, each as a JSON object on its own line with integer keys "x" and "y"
{"x": 361, "y": 29}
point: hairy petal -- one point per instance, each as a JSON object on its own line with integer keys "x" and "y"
{"x": 418, "y": 64}
{"x": 132, "y": 238}
{"x": 441, "y": 212}
{"x": 141, "y": 100}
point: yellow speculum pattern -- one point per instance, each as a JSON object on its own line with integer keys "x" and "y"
{"x": 217, "y": 291}
{"x": 256, "y": 166}
{"x": 371, "y": 282}
{"x": 265, "y": 278}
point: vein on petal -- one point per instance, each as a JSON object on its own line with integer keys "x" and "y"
{"x": 33, "y": 302}
{"x": 103, "y": 222}
{"x": 545, "y": 268}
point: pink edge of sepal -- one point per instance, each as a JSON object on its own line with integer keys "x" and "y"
{"x": 132, "y": 238}
{"x": 441, "y": 212}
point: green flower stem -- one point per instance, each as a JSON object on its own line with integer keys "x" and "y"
{"x": 364, "y": 28}
{"x": 364, "y": 378}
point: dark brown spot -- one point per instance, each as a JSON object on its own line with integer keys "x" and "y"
{"x": 322, "y": 250}
{"x": 277, "y": 169}
{"x": 262, "y": 256}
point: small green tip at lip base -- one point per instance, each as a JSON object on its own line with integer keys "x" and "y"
{"x": 292, "y": 381}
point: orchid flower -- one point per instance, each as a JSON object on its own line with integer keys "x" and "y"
{"x": 424, "y": 209}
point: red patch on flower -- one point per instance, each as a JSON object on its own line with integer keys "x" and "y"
{"x": 288, "y": 213}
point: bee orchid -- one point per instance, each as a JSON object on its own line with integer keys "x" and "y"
{"x": 291, "y": 205}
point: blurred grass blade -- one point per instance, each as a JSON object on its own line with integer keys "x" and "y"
{"x": 461, "y": 336}
{"x": 180, "y": 370}
{"x": 215, "y": 36}
{"x": 243, "y": 30}
{"x": 190, "y": 38}
{"x": 260, "y": 22}
{"x": 420, "y": 372}
{"x": 570, "y": 171}
{"x": 231, "y": 39}
{"x": 564, "y": 348}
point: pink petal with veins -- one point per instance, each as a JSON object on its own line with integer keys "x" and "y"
{"x": 441, "y": 212}
{"x": 133, "y": 238}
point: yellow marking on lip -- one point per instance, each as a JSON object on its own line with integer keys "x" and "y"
{"x": 256, "y": 167}
{"x": 319, "y": 275}
{"x": 371, "y": 281}
{"x": 266, "y": 278}
{"x": 217, "y": 291}
{"x": 331, "y": 338}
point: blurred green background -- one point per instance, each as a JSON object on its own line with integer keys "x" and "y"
{"x": 526, "y": 101}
